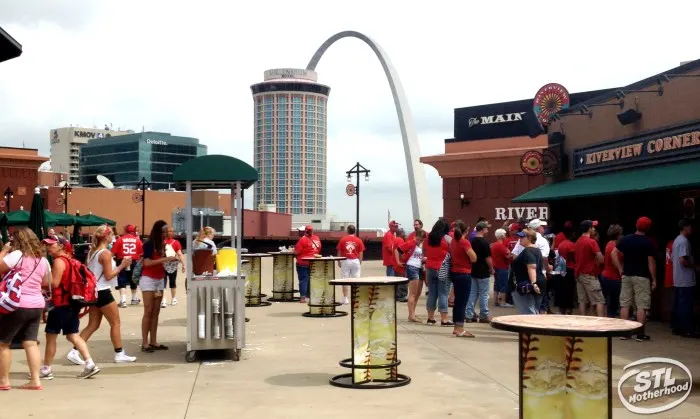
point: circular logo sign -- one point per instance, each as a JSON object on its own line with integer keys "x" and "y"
{"x": 550, "y": 99}
{"x": 136, "y": 197}
{"x": 2, "y": 204}
{"x": 550, "y": 163}
{"x": 59, "y": 201}
{"x": 654, "y": 385}
{"x": 532, "y": 163}
{"x": 350, "y": 189}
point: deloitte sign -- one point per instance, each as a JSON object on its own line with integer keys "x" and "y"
{"x": 654, "y": 385}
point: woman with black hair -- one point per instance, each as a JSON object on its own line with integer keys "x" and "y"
{"x": 152, "y": 284}
{"x": 436, "y": 249}
{"x": 463, "y": 256}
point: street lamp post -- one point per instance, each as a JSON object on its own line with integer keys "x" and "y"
{"x": 357, "y": 170}
{"x": 143, "y": 185}
{"x": 65, "y": 191}
{"x": 8, "y": 198}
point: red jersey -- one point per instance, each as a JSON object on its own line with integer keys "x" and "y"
{"x": 307, "y": 247}
{"x": 558, "y": 239}
{"x": 407, "y": 248}
{"x": 411, "y": 236}
{"x": 460, "y": 261}
{"x": 668, "y": 275}
{"x": 398, "y": 242}
{"x": 388, "y": 249}
{"x": 350, "y": 247}
{"x": 499, "y": 255}
{"x": 609, "y": 269}
{"x": 435, "y": 254}
{"x": 128, "y": 245}
{"x": 585, "y": 252}
{"x": 567, "y": 250}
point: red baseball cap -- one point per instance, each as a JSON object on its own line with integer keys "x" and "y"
{"x": 453, "y": 224}
{"x": 568, "y": 224}
{"x": 130, "y": 228}
{"x": 643, "y": 224}
{"x": 514, "y": 227}
{"x": 65, "y": 243}
{"x": 309, "y": 228}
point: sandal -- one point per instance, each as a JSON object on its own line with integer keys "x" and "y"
{"x": 5, "y": 388}
{"x": 464, "y": 334}
{"x": 431, "y": 321}
{"x": 447, "y": 324}
{"x": 28, "y": 386}
{"x": 158, "y": 347}
{"x": 147, "y": 349}
{"x": 414, "y": 320}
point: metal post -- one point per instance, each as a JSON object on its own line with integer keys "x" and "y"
{"x": 239, "y": 301}
{"x": 191, "y": 296}
{"x": 144, "y": 185}
{"x": 8, "y": 198}
{"x": 242, "y": 216}
{"x": 357, "y": 170}
{"x": 65, "y": 191}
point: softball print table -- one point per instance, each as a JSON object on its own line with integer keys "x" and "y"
{"x": 283, "y": 277}
{"x": 374, "y": 362}
{"x": 565, "y": 364}
{"x": 253, "y": 274}
{"x": 321, "y": 291}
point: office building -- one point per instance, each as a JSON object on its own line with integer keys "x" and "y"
{"x": 127, "y": 159}
{"x": 290, "y": 142}
{"x": 65, "y": 147}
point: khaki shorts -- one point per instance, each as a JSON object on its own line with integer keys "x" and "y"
{"x": 589, "y": 290}
{"x": 636, "y": 291}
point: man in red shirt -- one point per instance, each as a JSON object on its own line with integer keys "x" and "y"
{"x": 417, "y": 225}
{"x": 399, "y": 270}
{"x": 308, "y": 246}
{"x": 351, "y": 248}
{"x": 588, "y": 258}
{"x": 388, "y": 259}
{"x": 565, "y": 290}
{"x": 500, "y": 256}
{"x": 562, "y": 235}
{"x": 127, "y": 245}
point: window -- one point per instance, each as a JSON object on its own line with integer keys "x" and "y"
{"x": 296, "y": 121}
{"x": 296, "y": 99}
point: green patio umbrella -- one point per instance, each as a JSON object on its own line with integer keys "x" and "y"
{"x": 92, "y": 220}
{"x": 17, "y": 218}
{"x": 37, "y": 222}
{"x": 58, "y": 219}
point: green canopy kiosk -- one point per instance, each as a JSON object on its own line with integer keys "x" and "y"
{"x": 215, "y": 302}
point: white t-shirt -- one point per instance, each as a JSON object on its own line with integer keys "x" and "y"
{"x": 541, "y": 244}
{"x": 416, "y": 259}
{"x": 199, "y": 244}
{"x": 96, "y": 268}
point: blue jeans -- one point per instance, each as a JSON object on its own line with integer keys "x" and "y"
{"x": 390, "y": 271}
{"x": 479, "y": 292}
{"x": 438, "y": 291}
{"x": 463, "y": 285}
{"x": 611, "y": 291}
{"x": 682, "y": 312}
{"x": 303, "y": 274}
{"x": 500, "y": 283}
{"x": 527, "y": 304}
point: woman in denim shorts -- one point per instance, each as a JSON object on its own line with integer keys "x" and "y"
{"x": 412, "y": 260}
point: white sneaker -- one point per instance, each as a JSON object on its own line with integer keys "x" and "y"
{"x": 74, "y": 357}
{"x": 173, "y": 301}
{"x": 89, "y": 371}
{"x": 346, "y": 301}
{"x": 135, "y": 301}
{"x": 122, "y": 357}
{"x": 163, "y": 303}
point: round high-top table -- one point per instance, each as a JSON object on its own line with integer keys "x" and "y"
{"x": 253, "y": 272}
{"x": 565, "y": 363}
{"x": 283, "y": 277}
{"x": 321, "y": 291}
{"x": 374, "y": 347}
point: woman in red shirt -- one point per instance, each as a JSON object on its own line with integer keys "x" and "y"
{"x": 435, "y": 249}
{"x": 462, "y": 256}
{"x": 610, "y": 279}
{"x": 171, "y": 267}
{"x": 501, "y": 257}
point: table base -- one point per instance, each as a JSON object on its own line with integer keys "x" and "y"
{"x": 336, "y": 313}
{"x": 259, "y": 304}
{"x": 345, "y": 381}
{"x": 287, "y": 297}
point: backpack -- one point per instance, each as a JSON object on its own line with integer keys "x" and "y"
{"x": 11, "y": 288}
{"x": 446, "y": 266}
{"x": 78, "y": 286}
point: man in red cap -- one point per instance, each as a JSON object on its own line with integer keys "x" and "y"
{"x": 308, "y": 246}
{"x": 388, "y": 241}
{"x": 562, "y": 235}
{"x": 128, "y": 245}
{"x": 588, "y": 257}
{"x": 638, "y": 270}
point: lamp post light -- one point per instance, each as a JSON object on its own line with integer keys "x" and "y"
{"x": 357, "y": 170}
{"x": 65, "y": 191}
{"x": 8, "y": 198}
{"x": 143, "y": 186}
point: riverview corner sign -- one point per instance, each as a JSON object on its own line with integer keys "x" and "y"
{"x": 681, "y": 143}
{"x": 550, "y": 99}
{"x": 529, "y": 213}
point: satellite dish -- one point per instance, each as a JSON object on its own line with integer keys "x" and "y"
{"x": 61, "y": 183}
{"x": 105, "y": 182}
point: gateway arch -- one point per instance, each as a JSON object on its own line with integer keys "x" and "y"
{"x": 416, "y": 175}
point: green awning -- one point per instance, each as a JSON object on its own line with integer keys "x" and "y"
{"x": 214, "y": 172}
{"x": 675, "y": 176}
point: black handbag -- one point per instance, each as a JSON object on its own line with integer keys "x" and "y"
{"x": 525, "y": 288}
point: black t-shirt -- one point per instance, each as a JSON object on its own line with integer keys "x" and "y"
{"x": 636, "y": 250}
{"x": 528, "y": 256}
{"x": 482, "y": 248}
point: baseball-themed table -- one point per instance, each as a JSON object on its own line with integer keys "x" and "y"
{"x": 283, "y": 277}
{"x": 321, "y": 291}
{"x": 374, "y": 361}
{"x": 565, "y": 364}
{"x": 253, "y": 274}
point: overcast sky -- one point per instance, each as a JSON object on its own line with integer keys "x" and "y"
{"x": 186, "y": 68}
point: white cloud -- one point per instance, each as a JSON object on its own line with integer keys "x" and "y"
{"x": 186, "y": 68}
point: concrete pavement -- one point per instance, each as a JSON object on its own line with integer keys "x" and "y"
{"x": 286, "y": 366}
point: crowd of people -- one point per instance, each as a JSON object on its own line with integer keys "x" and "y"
{"x": 44, "y": 294}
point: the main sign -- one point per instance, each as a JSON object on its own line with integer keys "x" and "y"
{"x": 681, "y": 143}
{"x": 498, "y": 120}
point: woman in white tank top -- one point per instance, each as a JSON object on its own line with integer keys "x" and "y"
{"x": 101, "y": 264}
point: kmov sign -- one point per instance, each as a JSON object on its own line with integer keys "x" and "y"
{"x": 529, "y": 213}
